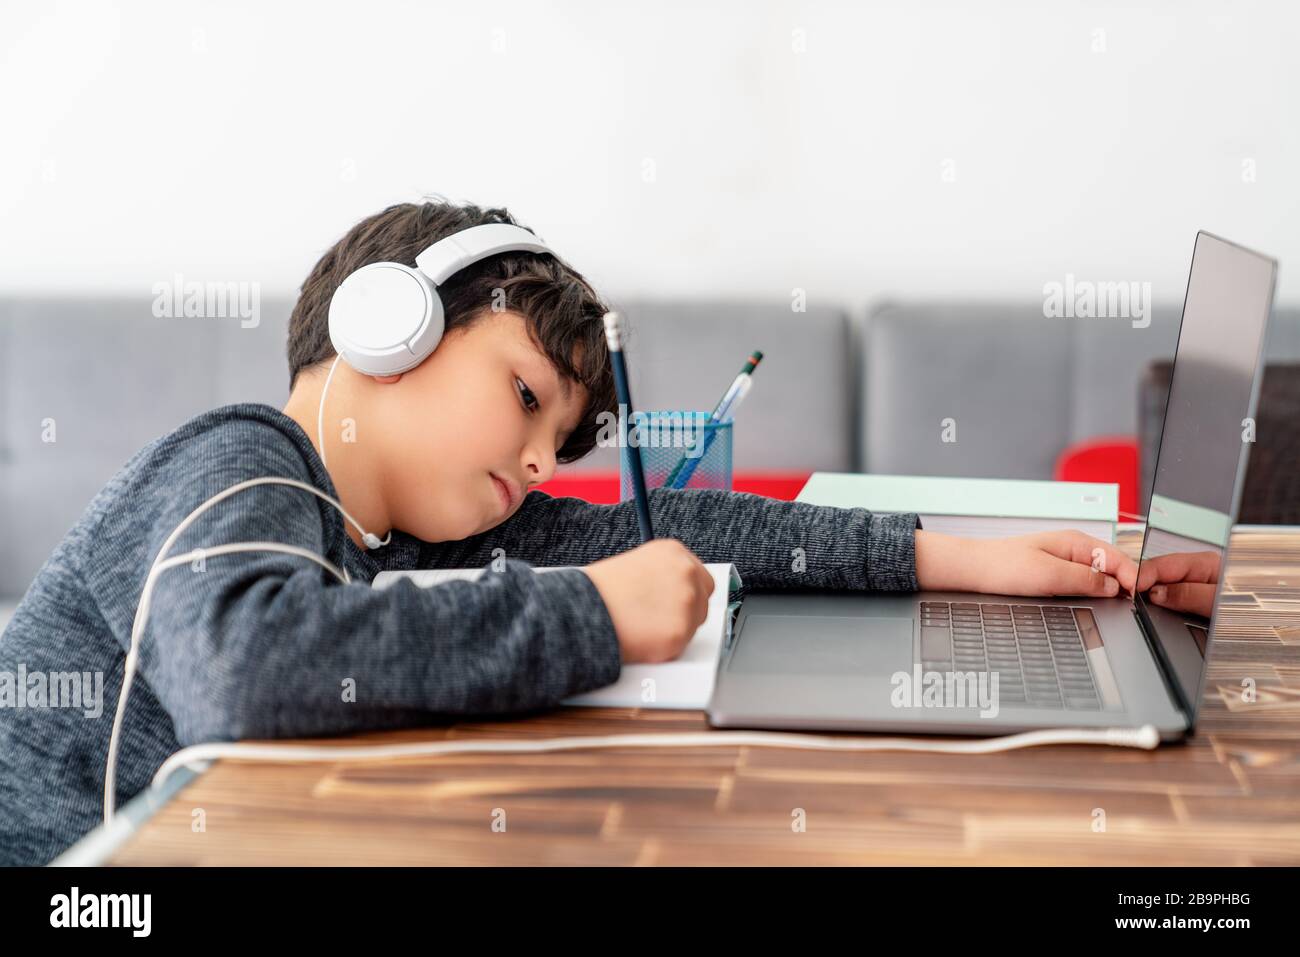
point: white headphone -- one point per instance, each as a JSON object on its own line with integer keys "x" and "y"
{"x": 386, "y": 318}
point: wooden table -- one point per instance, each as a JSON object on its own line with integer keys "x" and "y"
{"x": 1229, "y": 796}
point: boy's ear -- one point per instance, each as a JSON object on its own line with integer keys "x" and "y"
{"x": 386, "y": 379}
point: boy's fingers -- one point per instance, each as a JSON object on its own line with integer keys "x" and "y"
{"x": 1123, "y": 568}
{"x": 704, "y": 589}
{"x": 1178, "y": 567}
{"x": 1191, "y": 597}
{"x": 1164, "y": 568}
{"x": 1075, "y": 578}
{"x": 1093, "y": 552}
{"x": 702, "y": 611}
{"x": 707, "y": 581}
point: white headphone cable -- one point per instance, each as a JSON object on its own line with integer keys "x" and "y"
{"x": 320, "y": 410}
{"x": 1145, "y": 737}
{"x": 161, "y": 564}
{"x": 371, "y": 540}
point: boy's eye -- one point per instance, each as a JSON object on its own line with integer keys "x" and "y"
{"x": 525, "y": 393}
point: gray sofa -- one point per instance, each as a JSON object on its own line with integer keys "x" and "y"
{"x": 838, "y": 390}
{"x": 1020, "y": 387}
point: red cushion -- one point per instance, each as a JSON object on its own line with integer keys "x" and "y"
{"x": 602, "y": 487}
{"x": 1110, "y": 458}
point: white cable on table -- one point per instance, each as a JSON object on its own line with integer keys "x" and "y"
{"x": 1145, "y": 737}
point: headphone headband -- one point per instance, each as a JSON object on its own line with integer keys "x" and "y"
{"x": 386, "y": 318}
{"x": 453, "y": 253}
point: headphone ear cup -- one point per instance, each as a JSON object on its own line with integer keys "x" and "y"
{"x": 430, "y": 333}
{"x": 385, "y": 318}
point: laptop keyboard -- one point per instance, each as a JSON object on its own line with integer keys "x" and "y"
{"x": 1036, "y": 650}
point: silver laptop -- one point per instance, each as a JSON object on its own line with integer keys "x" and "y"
{"x": 964, "y": 663}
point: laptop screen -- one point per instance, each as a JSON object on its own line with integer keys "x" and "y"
{"x": 1204, "y": 447}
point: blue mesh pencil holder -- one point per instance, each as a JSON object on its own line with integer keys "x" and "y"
{"x": 678, "y": 450}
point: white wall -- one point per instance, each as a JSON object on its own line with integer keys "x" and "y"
{"x": 237, "y": 141}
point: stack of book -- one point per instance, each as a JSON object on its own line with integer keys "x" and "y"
{"x": 975, "y": 507}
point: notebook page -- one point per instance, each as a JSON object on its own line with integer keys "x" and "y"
{"x": 685, "y": 682}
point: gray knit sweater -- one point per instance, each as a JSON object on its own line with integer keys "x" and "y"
{"x": 269, "y": 645}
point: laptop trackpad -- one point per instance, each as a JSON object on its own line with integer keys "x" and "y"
{"x": 810, "y": 645}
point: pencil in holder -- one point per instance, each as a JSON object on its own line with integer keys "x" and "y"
{"x": 679, "y": 449}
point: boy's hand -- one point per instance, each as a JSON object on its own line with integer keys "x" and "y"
{"x": 657, "y": 595}
{"x": 1192, "y": 578}
{"x": 1065, "y": 562}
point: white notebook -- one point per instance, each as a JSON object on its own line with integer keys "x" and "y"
{"x": 685, "y": 682}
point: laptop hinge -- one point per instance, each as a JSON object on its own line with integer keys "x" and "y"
{"x": 1163, "y": 665}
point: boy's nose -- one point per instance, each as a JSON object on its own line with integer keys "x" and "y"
{"x": 538, "y": 469}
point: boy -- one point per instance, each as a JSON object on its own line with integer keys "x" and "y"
{"x": 443, "y": 457}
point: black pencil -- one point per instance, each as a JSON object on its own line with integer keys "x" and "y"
{"x": 622, "y": 388}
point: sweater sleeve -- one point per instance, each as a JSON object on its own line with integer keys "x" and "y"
{"x": 267, "y": 645}
{"x": 773, "y": 543}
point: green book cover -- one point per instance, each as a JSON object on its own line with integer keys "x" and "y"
{"x": 982, "y": 497}
{"x": 1190, "y": 521}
